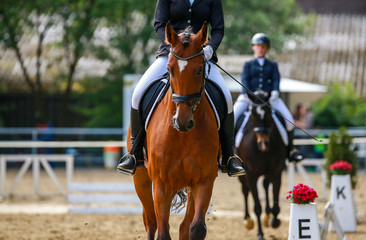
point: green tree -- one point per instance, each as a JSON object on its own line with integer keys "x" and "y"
{"x": 14, "y": 26}
{"x": 340, "y": 107}
{"x": 78, "y": 21}
{"x": 133, "y": 43}
{"x": 277, "y": 18}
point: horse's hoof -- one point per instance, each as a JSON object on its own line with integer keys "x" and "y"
{"x": 265, "y": 220}
{"x": 275, "y": 222}
{"x": 260, "y": 237}
{"x": 197, "y": 231}
{"x": 248, "y": 223}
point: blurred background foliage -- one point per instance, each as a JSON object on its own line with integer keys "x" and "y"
{"x": 340, "y": 107}
{"x": 52, "y": 41}
{"x": 280, "y": 19}
{"x": 340, "y": 148}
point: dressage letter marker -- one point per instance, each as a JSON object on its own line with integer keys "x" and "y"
{"x": 341, "y": 198}
{"x": 303, "y": 222}
{"x": 302, "y": 228}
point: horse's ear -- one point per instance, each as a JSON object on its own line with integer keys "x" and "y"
{"x": 170, "y": 35}
{"x": 203, "y": 34}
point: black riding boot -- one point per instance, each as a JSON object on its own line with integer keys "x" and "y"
{"x": 293, "y": 154}
{"x": 230, "y": 162}
{"x": 135, "y": 158}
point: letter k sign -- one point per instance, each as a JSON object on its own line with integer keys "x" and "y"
{"x": 340, "y": 192}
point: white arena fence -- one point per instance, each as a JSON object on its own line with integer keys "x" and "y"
{"x": 36, "y": 161}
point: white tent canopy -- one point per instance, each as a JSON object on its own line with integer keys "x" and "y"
{"x": 286, "y": 85}
{"x": 291, "y": 85}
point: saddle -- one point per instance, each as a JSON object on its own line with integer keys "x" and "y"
{"x": 156, "y": 91}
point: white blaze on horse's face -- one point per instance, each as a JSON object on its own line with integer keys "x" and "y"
{"x": 182, "y": 65}
{"x": 260, "y": 111}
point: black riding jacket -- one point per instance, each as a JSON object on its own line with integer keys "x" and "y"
{"x": 256, "y": 77}
{"x": 181, "y": 14}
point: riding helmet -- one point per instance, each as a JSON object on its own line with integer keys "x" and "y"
{"x": 261, "y": 38}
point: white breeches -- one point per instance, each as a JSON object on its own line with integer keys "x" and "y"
{"x": 158, "y": 69}
{"x": 242, "y": 104}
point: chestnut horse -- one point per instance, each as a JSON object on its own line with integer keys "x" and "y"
{"x": 182, "y": 143}
{"x": 263, "y": 153}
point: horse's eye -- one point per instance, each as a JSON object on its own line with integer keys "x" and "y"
{"x": 169, "y": 71}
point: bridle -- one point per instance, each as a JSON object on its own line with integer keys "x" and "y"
{"x": 188, "y": 98}
{"x": 261, "y": 128}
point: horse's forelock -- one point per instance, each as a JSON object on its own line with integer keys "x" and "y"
{"x": 186, "y": 35}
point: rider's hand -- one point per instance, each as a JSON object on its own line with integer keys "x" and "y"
{"x": 207, "y": 52}
{"x": 274, "y": 95}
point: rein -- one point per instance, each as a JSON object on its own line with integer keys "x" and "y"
{"x": 251, "y": 93}
{"x": 187, "y": 98}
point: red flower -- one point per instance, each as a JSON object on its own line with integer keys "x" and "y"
{"x": 302, "y": 194}
{"x": 340, "y": 167}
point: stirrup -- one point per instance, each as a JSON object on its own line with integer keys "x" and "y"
{"x": 293, "y": 153}
{"x": 237, "y": 174}
{"x": 129, "y": 172}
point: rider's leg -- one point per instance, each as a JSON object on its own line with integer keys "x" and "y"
{"x": 230, "y": 161}
{"x": 240, "y": 105}
{"x": 294, "y": 155}
{"x": 127, "y": 164}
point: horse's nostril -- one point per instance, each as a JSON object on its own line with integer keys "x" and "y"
{"x": 175, "y": 122}
{"x": 190, "y": 124}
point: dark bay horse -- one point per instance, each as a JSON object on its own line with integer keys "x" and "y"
{"x": 182, "y": 143}
{"x": 263, "y": 153}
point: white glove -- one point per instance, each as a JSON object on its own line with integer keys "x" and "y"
{"x": 274, "y": 95}
{"x": 207, "y": 52}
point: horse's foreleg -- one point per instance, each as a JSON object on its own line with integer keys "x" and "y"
{"x": 257, "y": 204}
{"x": 143, "y": 186}
{"x": 184, "y": 226}
{"x": 265, "y": 219}
{"x": 202, "y": 195}
{"x": 248, "y": 222}
{"x": 162, "y": 202}
{"x": 276, "y": 208}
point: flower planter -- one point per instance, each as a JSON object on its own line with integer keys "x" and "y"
{"x": 341, "y": 198}
{"x": 303, "y": 222}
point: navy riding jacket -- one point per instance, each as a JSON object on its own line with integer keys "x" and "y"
{"x": 255, "y": 76}
{"x": 181, "y": 14}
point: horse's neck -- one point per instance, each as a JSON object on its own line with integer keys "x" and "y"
{"x": 255, "y": 120}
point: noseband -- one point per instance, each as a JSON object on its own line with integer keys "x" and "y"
{"x": 177, "y": 98}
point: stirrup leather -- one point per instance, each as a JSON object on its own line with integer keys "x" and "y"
{"x": 222, "y": 166}
{"x": 128, "y": 171}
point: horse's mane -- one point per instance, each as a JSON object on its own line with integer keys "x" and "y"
{"x": 186, "y": 35}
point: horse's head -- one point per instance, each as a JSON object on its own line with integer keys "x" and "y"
{"x": 262, "y": 119}
{"x": 186, "y": 67}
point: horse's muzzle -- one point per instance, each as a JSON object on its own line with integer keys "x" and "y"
{"x": 263, "y": 146}
{"x": 188, "y": 126}
{"x": 262, "y": 140}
